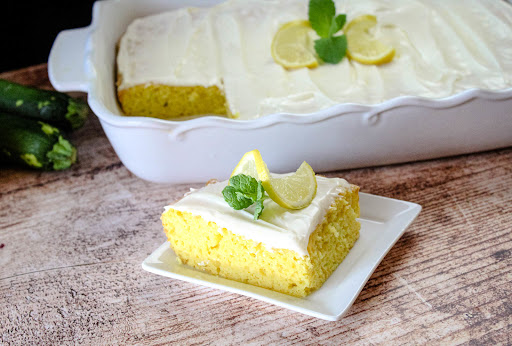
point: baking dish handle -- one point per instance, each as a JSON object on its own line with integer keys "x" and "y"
{"x": 66, "y": 63}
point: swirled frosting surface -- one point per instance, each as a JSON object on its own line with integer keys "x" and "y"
{"x": 442, "y": 47}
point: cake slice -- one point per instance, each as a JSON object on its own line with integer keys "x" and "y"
{"x": 288, "y": 251}
{"x": 167, "y": 66}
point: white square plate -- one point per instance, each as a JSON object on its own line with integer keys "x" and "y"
{"x": 383, "y": 221}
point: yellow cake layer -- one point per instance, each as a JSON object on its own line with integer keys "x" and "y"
{"x": 220, "y": 251}
{"x": 171, "y": 102}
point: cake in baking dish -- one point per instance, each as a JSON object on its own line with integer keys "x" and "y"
{"x": 217, "y": 60}
{"x": 288, "y": 251}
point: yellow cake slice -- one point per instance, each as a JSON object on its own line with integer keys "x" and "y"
{"x": 167, "y": 66}
{"x": 288, "y": 251}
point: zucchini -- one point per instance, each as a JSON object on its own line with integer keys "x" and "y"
{"x": 49, "y": 106}
{"x": 34, "y": 144}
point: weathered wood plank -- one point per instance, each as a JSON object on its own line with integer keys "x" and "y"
{"x": 73, "y": 243}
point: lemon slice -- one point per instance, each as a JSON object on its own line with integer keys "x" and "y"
{"x": 362, "y": 46}
{"x": 249, "y": 164}
{"x": 293, "y": 47}
{"x": 293, "y": 191}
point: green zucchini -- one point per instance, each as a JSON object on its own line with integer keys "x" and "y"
{"x": 50, "y": 106}
{"x": 34, "y": 144}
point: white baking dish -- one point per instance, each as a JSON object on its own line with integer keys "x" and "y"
{"x": 344, "y": 136}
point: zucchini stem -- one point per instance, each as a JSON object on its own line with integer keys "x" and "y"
{"x": 63, "y": 154}
{"x": 77, "y": 113}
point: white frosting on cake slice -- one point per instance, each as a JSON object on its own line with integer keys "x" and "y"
{"x": 277, "y": 227}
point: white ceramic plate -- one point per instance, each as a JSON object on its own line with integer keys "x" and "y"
{"x": 383, "y": 221}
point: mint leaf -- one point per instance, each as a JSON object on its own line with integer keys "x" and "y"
{"x": 243, "y": 191}
{"x": 321, "y": 13}
{"x": 331, "y": 49}
{"x": 260, "y": 191}
{"x": 246, "y": 185}
{"x": 244, "y": 199}
{"x": 337, "y": 23}
{"x": 323, "y": 19}
{"x": 235, "y": 201}
{"x": 258, "y": 210}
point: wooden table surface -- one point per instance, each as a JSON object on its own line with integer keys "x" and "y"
{"x": 72, "y": 243}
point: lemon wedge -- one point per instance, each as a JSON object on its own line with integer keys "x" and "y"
{"x": 291, "y": 191}
{"x": 295, "y": 191}
{"x": 293, "y": 47}
{"x": 249, "y": 164}
{"x": 362, "y": 46}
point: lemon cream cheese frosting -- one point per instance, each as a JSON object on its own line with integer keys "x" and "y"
{"x": 442, "y": 48}
{"x": 277, "y": 227}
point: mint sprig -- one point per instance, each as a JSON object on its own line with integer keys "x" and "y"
{"x": 243, "y": 191}
{"x": 323, "y": 19}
